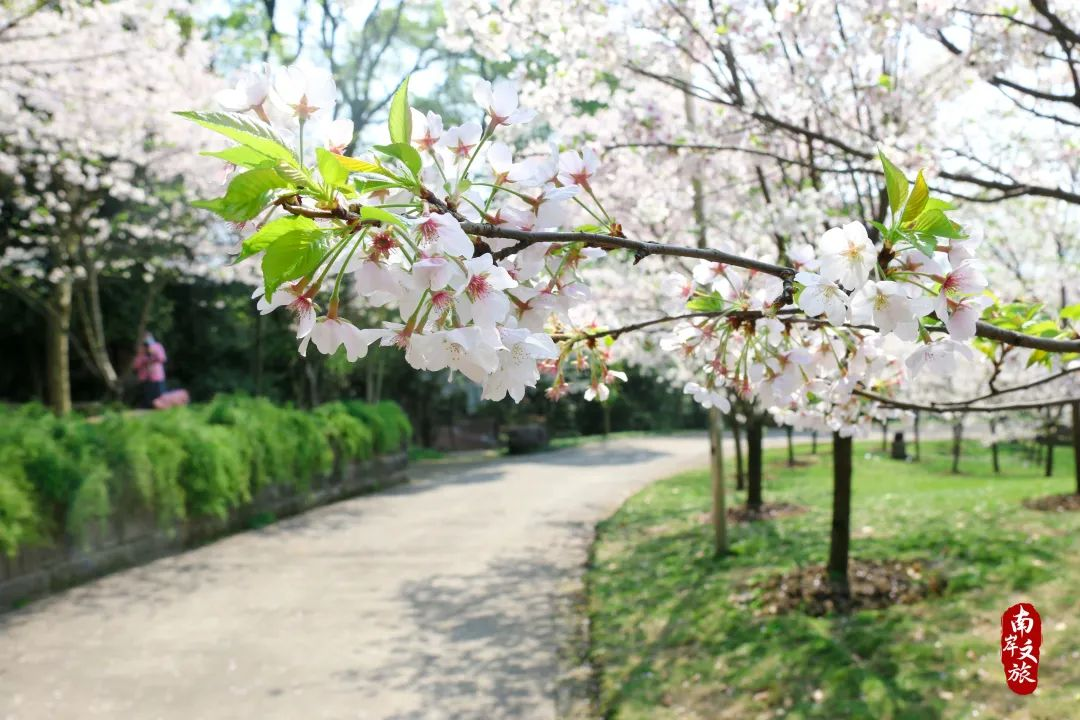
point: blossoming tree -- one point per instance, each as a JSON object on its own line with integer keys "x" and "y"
{"x": 95, "y": 172}
{"x": 484, "y": 253}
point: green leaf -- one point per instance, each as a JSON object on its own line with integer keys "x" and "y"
{"x": 356, "y": 165}
{"x": 361, "y": 166}
{"x": 400, "y": 119}
{"x": 939, "y": 204}
{"x": 367, "y": 186}
{"x": 295, "y": 254}
{"x": 294, "y": 176}
{"x": 405, "y": 153}
{"x": 269, "y": 233}
{"x": 926, "y": 244}
{"x": 247, "y": 131}
{"x": 934, "y": 222}
{"x": 333, "y": 173}
{"x": 241, "y": 156}
{"x": 881, "y": 228}
{"x": 916, "y": 202}
{"x": 895, "y": 183}
{"x": 712, "y": 302}
{"x": 247, "y": 195}
{"x": 1070, "y": 312}
{"x": 372, "y": 212}
{"x": 1045, "y": 328}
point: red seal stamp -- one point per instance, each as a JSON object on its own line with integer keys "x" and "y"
{"x": 1021, "y": 637}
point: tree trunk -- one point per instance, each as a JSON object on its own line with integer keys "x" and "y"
{"x": 994, "y": 449}
{"x": 311, "y": 374}
{"x": 840, "y": 538}
{"x": 1076, "y": 442}
{"x": 958, "y": 436}
{"x": 790, "y": 446}
{"x": 57, "y": 327}
{"x": 736, "y": 433}
{"x": 369, "y": 376}
{"x": 95, "y": 333}
{"x": 719, "y": 512}
{"x": 884, "y": 436}
{"x": 380, "y": 374}
{"x": 753, "y": 463}
{"x": 1051, "y": 431}
{"x": 813, "y": 443}
{"x": 918, "y": 449}
{"x": 257, "y": 354}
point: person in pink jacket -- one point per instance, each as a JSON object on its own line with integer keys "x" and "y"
{"x": 150, "y": 368}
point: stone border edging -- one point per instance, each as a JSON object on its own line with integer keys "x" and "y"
{"x": 126, "y": 541}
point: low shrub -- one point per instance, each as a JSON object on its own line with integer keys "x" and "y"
{"x": 348, "y": 434}
{"x": 389, "y": 424}
{"x": 19, "y": 522}
{"x": 63, "y": 479}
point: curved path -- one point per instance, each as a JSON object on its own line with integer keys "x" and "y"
{"x": 440, "y": 599}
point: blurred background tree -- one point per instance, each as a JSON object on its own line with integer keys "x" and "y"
{"x": 98, "y": 244}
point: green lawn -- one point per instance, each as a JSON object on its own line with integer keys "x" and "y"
{"x": 669, "y": 642}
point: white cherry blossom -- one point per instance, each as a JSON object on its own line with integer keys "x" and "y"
{"x": 846, "y": 255}
{"x": 820, "y": 296}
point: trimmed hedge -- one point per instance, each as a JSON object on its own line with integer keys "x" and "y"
{"x": 60, "y": 478}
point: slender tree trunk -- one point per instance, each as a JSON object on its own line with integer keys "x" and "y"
{"x": 884, "y": 436}
{"x": 753, "y": 463}
{"x": 380, "y": 374}
{"x": 813, "y": 443}
{"x": 311, "y": 374}
{"x": 1051, "y": 431}
{"x": 57, "y": 353}
{"x": 958, "y": 436}
{"x": 369, "y": 376}
{"x": 95, "y": 333}
{"x": 790, "y": 446}
{"x": 994, "y": 448}
{"x": 918, "y": 449}
{"x": 840, "y": 538}
{"x": 257, "y": 359}
{"x": 1076, "y": 443}
{"x": 719, "y": 511}
{"x": 736, "y": 433}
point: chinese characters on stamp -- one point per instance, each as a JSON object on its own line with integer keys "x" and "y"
{"x": 1021, "y": 637}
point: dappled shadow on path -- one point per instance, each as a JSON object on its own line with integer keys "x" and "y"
{"x": 151, "y": 587}
{"x": 476, "y": 645}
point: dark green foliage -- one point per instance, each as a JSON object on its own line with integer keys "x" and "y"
{"x": 19, "y": 523}
{"x": 389, "y": 424}
{"x": 349, "y": 435}
{"x": 65, "y": 480}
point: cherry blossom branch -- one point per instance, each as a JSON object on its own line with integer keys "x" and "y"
{"x": 789, "y": 316}
{"x": 1014, "y": 388}
{"x": 643, "y": 249}
{"x": 1011, "y": 337}
{"x": 901, "y": 405}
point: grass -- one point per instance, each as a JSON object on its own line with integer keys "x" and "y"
{"x": 418, "y": 454}
{"x": 669, "y": 642}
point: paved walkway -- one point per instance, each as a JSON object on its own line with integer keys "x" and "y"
{"x": 432, "y": 601}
